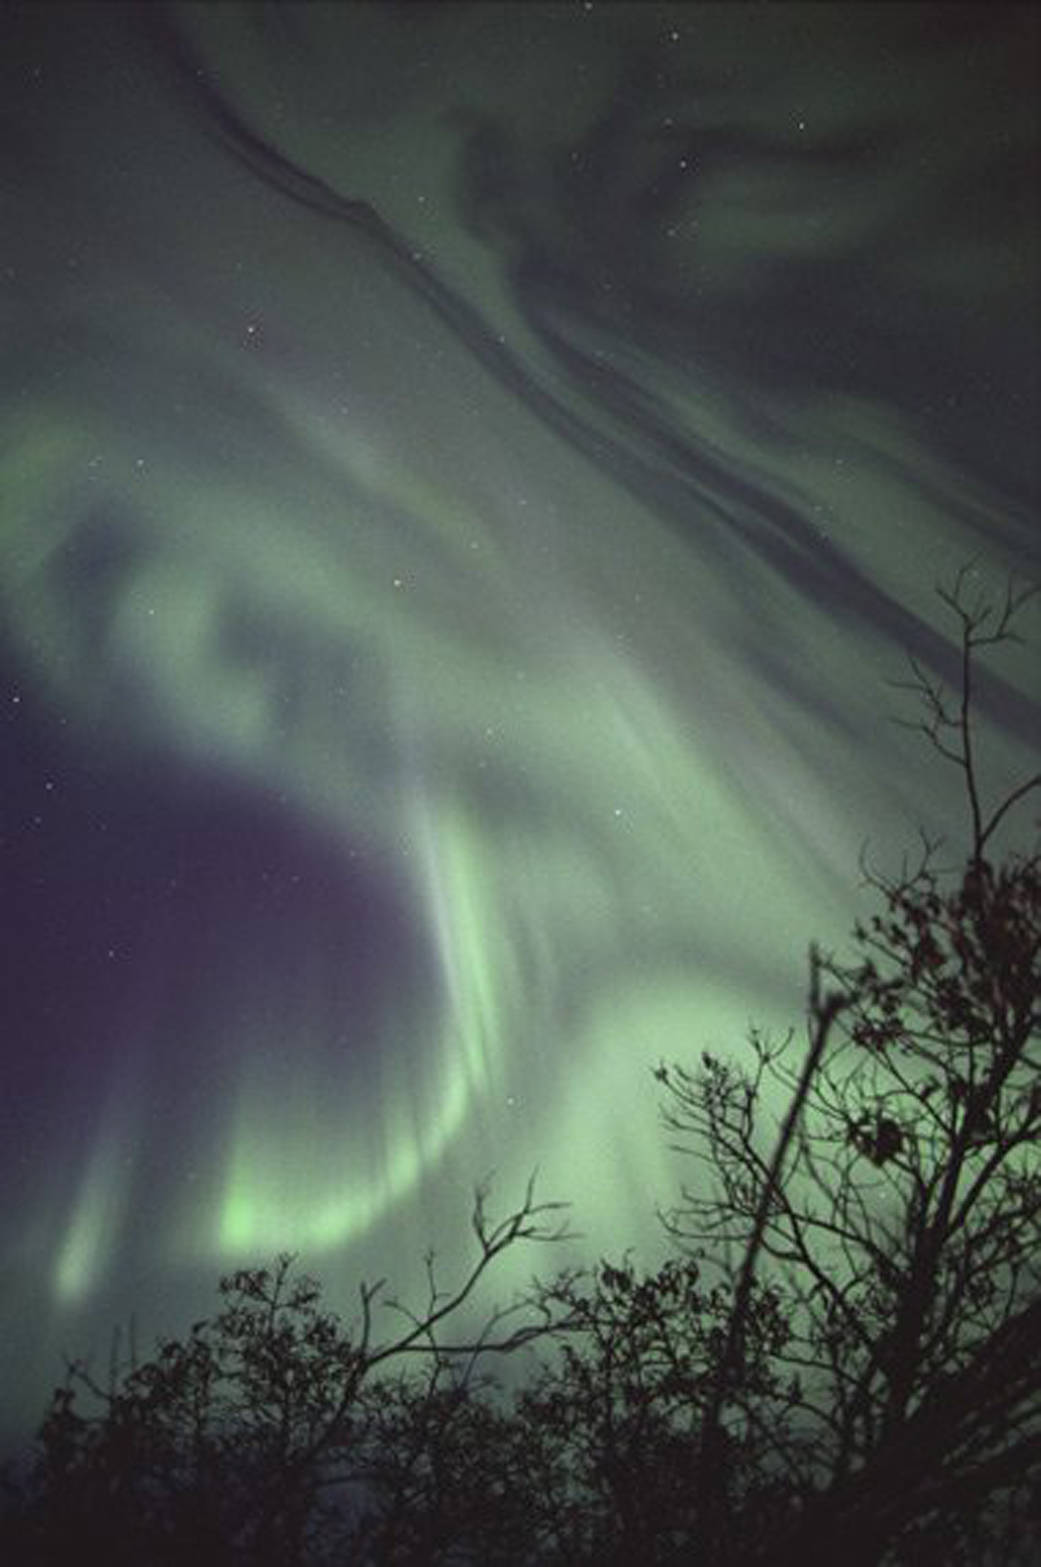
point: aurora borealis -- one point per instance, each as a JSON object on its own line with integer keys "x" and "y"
{"x": 467, "y": 473}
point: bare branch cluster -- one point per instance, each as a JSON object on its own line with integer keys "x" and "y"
{"x": 900, "y": 1208}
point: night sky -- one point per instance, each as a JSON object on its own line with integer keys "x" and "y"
{"x": 467, "y": 474}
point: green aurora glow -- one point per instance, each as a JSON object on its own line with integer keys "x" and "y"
{"x": 568, "y": 638}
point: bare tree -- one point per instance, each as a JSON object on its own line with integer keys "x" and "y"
{"x": 255, "y": 1438}
{"x": 899, "y": 1208}
{"x": 842, "y": 1363}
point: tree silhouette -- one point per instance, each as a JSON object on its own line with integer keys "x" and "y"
{"x": 899, "y": 1212}
{"x": 841, "y": 1361}
{"x": 611, "y": 1428}
{"x": 256, "y": 1437}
